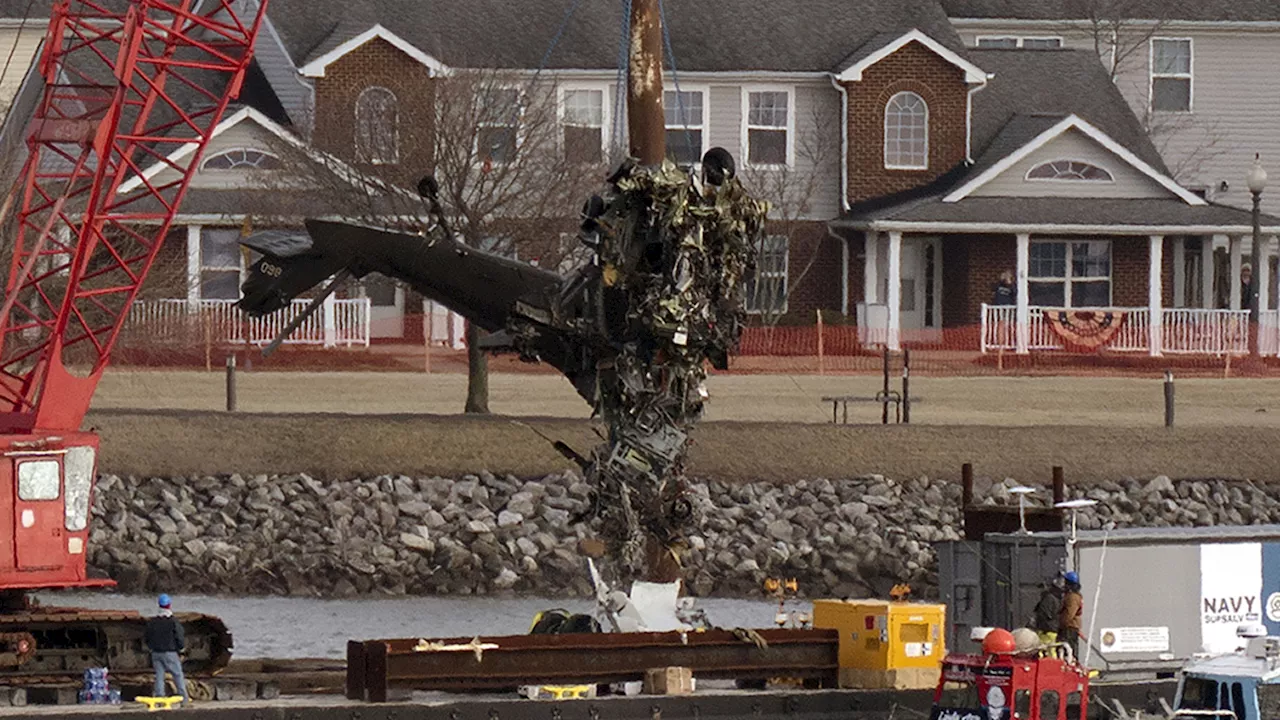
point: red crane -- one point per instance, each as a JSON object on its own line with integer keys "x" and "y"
{"x": 125, "y": 84}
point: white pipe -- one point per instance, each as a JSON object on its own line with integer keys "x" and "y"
{"x": 844, "y": 143}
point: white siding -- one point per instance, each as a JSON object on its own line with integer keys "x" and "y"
{"x": 818, "y": 129}
{"x": 726, "y": 119}
{"x": 812, "y": 183}
{"x": 1129, "y": 182}
{"x": 1235, "y": 104}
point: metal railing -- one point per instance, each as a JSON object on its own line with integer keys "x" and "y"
{"x": 192, "y": 322}
{"x": 1183, "y": 331}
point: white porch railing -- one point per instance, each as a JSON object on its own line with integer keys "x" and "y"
{"x": 191, "y": 322}
{"x": 1184, "y": 331}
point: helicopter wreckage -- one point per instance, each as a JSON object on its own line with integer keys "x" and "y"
{"x": 633, "y": 329}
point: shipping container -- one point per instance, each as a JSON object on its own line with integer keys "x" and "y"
{"x": 1153, "y": 597}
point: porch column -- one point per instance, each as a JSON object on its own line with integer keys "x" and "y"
{"x": 1155, "y": 294}
{"x": 1237, "y": 261}
{"x": 870, "y": 279}
{"x": 328, "y": 310}
{"x": 193, "y": 267}
{"x": 1180, "y": 271}
{"x": 894, "y": 298}
{"x": 1023, "y": 341}
{"x": 1207, "y": 271}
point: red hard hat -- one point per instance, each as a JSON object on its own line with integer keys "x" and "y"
{"x": 999, "y": 641}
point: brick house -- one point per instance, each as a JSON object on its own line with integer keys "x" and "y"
{"x": 909, "y": 171}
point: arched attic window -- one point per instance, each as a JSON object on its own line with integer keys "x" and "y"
{"x": 241, "y": 158}
{"x": 906, "y": 132}
{"x": 378, "y": 126}
{"x": 1074, "y": 170}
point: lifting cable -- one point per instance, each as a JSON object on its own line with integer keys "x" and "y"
{"x": 546, "y": 58}
{"x": 620, "y": 93}
{"x": 675, "y": 81}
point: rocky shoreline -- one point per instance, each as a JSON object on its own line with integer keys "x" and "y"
{"x": 481, "y": 534}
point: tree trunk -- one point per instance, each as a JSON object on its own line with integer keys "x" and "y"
{"x": 477, "y": 373}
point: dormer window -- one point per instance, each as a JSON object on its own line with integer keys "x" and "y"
{"x": 1070, "y": 170}
{"x": 906, "y": 132}
{"x": 241, "y": 158}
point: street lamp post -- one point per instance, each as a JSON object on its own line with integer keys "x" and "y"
{"x": 1257, "y": 183}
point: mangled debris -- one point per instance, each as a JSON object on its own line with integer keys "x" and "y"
{"x": 662, "y": 300}
{"x": 633, "y": 329}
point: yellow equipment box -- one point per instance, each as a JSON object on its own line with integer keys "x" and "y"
{"x": 894, "y": 645}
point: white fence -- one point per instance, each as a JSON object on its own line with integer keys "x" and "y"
{"x": 191, "y": 322}
{"x": 1183, "y": 331}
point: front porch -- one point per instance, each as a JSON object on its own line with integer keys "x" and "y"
{"x": 1114, "y": 291}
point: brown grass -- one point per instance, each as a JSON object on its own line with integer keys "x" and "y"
{"x": 327, "y": 445}
{"x": 759, "y": 427}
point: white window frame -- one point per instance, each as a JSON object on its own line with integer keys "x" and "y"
{"x": 705, "y": 127}
{"x": 785, "y": 274}
{"x": 1019, "y": 40}
{"x": 1189, "y": 76}
{"x": 395, "y": 127}
{"x": 239, "y": 267}
{"x": 204, "y": 164}
{"x": 1110, "y": 175}
{"x": 606, "y": 113}
{"x": 519, "y": 124}
{"x": 1069, "y": 278}
{"x": 884, "y": 130}
{"x": 745, "y": 150}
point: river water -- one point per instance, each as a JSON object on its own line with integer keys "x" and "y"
{"x": 280, "y": 627}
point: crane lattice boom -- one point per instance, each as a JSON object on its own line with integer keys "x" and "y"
{"x": 127, "y": 84}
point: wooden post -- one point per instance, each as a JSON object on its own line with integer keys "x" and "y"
{"x": 884, "y": 414}
{"x": 1168, "y": 398}
{"x": 906, "y": 387}
{"x": 647, "y": 126}
{"x": 966, "y": 485}
{"x": 1059, "y": 485}
{"x": 231, "y": 383}
{"x": 428, "y": 329}
{"x": 821, "y": 364}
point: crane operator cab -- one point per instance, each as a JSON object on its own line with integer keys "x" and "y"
{"x": 46, "y": 488}
{"x": 1011, "y": 680}
{"x": 1243, "y": 685}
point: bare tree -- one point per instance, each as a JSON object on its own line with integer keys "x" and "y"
{"x": 792, "y": 189}
{"x": 513, "y": 166}
{"x": 1121, "y": 32}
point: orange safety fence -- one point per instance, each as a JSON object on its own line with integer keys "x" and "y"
{"x": 203, "y": 338}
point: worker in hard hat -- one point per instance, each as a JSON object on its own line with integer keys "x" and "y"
{"x": 166, "y": 641}
{"x": 1069, "y": 620}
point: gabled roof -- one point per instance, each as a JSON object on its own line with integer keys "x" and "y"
{"x": 981, "y": 177}
{"x": 883, "y": 45}
{"x": 1193, "y": 10}
{"x": 316, "y": 66}
{"x": 720, "y": 36}
{"x": 1051, "y": 84}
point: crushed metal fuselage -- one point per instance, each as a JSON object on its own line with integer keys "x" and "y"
{"x": 633, "y": 329}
